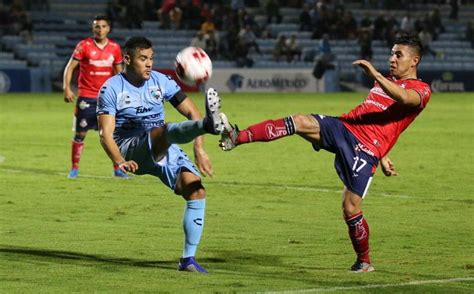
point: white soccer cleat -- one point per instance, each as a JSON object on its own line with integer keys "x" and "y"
{"x": 213, "y": 121}
{"x": 228, "y": 139}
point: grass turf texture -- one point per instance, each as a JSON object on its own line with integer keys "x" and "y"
{"x": 273, "y": 218}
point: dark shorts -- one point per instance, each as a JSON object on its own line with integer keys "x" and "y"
{"x": 354, "y": 166}
{"x": 85, "y": 117}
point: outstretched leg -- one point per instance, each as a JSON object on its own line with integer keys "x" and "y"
{"x": 304, "y": 125}
{"x": 186, "y": 131}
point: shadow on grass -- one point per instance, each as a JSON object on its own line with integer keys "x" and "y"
{"x": 61, "y": 255}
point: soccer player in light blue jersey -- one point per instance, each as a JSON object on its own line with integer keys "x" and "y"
{"x": 134, "y": 134}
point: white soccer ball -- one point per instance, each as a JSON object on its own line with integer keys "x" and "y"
{"x": 193, "y": 66}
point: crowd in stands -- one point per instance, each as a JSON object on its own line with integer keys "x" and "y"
{"x": 15, "y": 20}
{"x": 228, "y": 30}
{"x": 231, "y": 31}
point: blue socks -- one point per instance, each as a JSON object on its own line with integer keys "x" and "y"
{"x": 193, "y": 223}
{"x": 184, "y": 132}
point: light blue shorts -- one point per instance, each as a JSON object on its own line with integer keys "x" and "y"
{"x": 138, "y": 149}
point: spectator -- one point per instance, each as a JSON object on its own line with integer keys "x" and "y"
{"x": 348, "y": 26}
{"x": 212, "y": 44}
{"x": 391, "y": 30}
{"x": 366, "y": 22}
{"x": 306, "y": 24}
{"x": 191, "y": 19}
{"x": 365, "y": 43}
{"x": 294, "y": 49}
{"x": 426, "y": 39}
{"x": 281, "y": 48}
{"x": 248, "y": 38}
{"x": 199, "y": 40}
{"x": 115, "y": 12}
{"x": 435, "y": 24}
{"x": 241, "y": 52}
{"x": 454, "y": 9}
{"x": 470, "y": 33}
{"x": 272, "y": 9}
{"x": 237, "y": 5}
{"x": 380, "y": 25}
{"x": 164, "y": 13}
{"x": 134, "y": 15}
{"x": 20, "y": 23}
{"x": 4, "y": 21}
{"x": 325, "y": 59}
{"x": 149, "y": 10}
{"x": 208, "y": 25}
{"x": 407, "y": 26}
{"x": 322, "y": 23}
{"x": 205, "y": 12}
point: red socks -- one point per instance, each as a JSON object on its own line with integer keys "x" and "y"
{"x": 359, "y": 234}
{"x": 77, "y": 148}
{"x": 268, "y": 130}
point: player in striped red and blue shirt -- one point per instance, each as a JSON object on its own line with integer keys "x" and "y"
{"x": 98, "y": 59}
{"x": 359, "y": 139}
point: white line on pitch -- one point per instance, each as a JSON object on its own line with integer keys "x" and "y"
{"x": 308, "y": 189}
{"x": 376, "y": 286}
{"x": 296, "y": 188}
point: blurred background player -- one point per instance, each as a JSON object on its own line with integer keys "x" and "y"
{"x": 98, "y": 59}
{"x": 135, "y": 136}
{"x": 359, "y": 139}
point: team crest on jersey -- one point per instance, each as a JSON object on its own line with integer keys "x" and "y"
{"x": 83, "y": 123}
{"x": 156, "y": 93}
{"x": 83, "y": 105}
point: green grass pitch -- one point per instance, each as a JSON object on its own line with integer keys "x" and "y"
{"x": 273, "y": 219}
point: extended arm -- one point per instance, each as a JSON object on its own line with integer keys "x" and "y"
{"x": 191, "y": 112}
{"x": 407, "y": 97}
{"x": 67, "y": 76}
{"x": 106, "y": 130}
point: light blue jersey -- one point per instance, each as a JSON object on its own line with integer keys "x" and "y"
{"x": 136, "y": 109}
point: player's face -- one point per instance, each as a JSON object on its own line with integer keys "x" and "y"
{"x": 403, "y": 60}
{"x": 100, "y": 29}
{"x": 140, "y": 63}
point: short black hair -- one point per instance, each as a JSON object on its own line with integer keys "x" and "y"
{"x": 410, "y": 40}
{"x": 135, "y": 43}
{"x": 102, "y": 17}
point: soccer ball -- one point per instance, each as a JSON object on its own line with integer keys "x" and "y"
{"x": 193, "y": 66}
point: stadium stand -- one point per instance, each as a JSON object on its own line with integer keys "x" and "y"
{"x": 57, "y": 28}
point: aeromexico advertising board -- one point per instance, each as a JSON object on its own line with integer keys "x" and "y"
{"x": 15, "y": 80}
{"x": 443, "y": 80}
{"x": 265, "y": 80}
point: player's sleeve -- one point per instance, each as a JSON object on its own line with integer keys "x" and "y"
{"x": 78, "y": 53}
{"x": 107, "y": 102}
{"x": 424, "y": 91}
{"x": 118, "y": 59}
{"x": 172, "y": 91}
